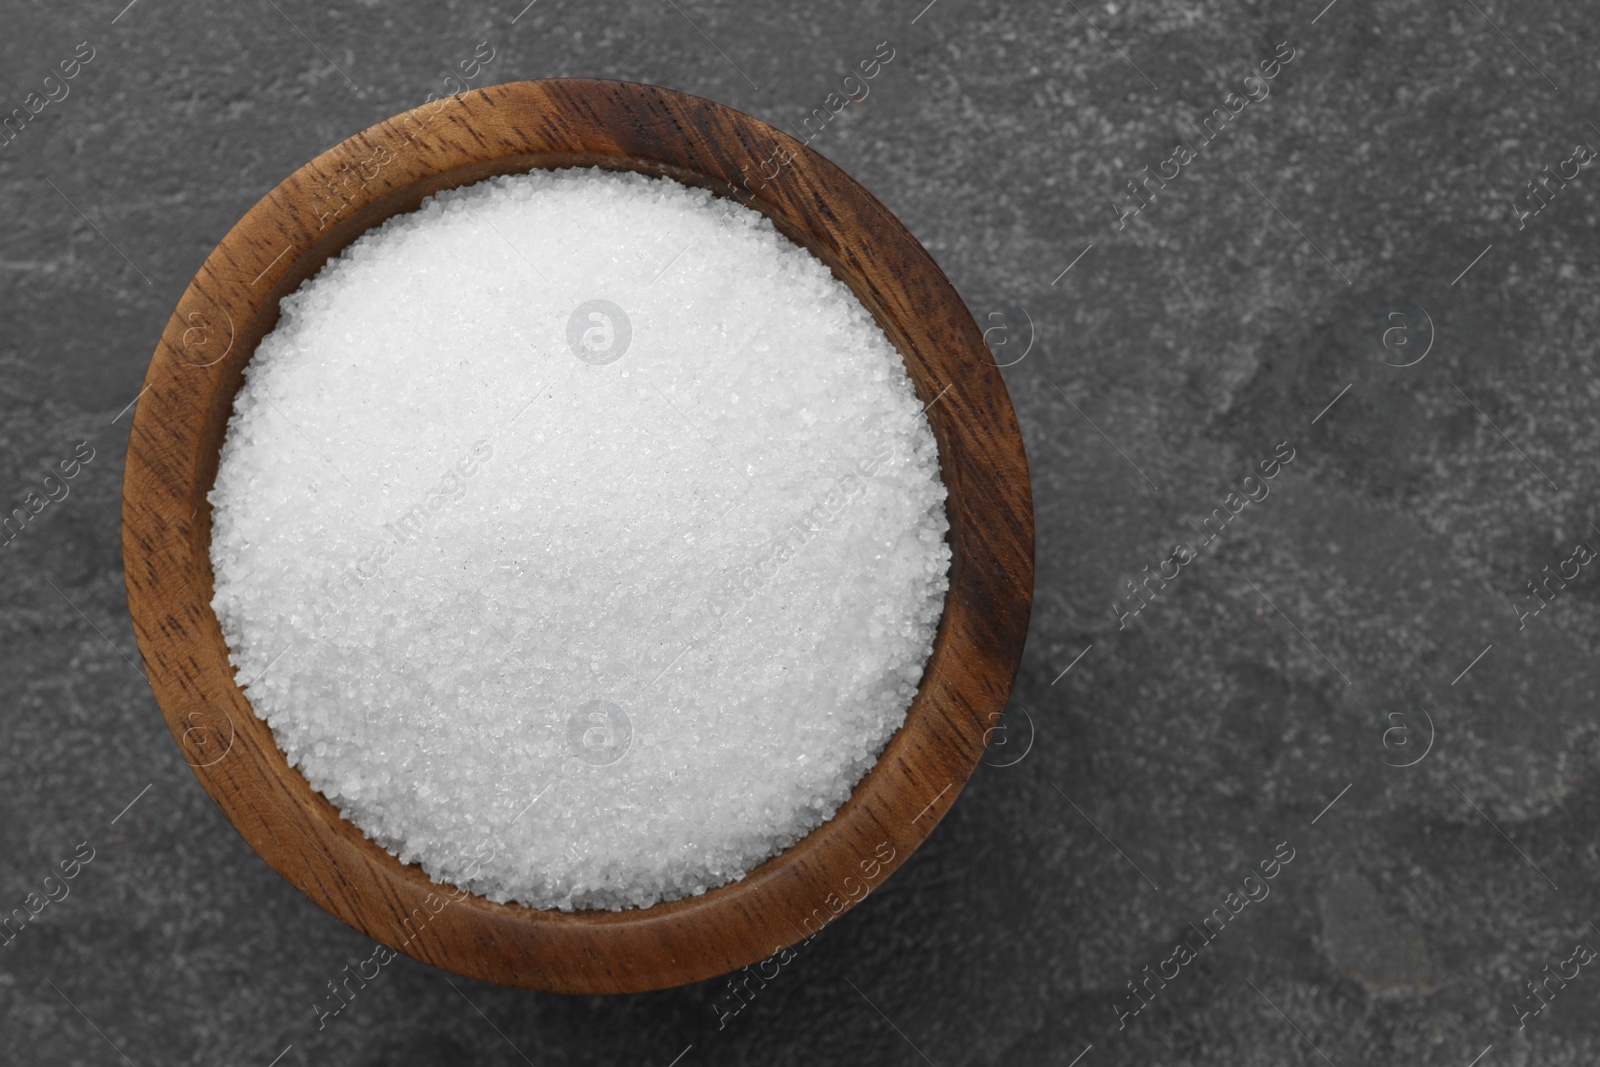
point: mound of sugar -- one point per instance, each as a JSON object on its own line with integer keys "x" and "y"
{"x": 580, "y": 537}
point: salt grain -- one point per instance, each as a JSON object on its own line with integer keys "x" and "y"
{"x": 580, "y": 538}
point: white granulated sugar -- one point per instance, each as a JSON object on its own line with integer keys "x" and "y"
{"x": 579, "y": 604}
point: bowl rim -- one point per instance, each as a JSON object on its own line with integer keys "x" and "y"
{"x": 188, "y": 394}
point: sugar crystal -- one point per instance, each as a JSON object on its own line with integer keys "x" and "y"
{"x": 580, "y": 538}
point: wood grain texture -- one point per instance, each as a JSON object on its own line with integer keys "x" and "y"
{"x": 177, "y": 434}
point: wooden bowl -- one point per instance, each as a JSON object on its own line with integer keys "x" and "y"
{"x": 178, "y": 430}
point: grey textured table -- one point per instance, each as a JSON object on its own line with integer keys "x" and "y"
{"x": 1349, "y": 673}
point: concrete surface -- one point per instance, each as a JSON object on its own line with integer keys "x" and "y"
{"x": 1313, "y": 654}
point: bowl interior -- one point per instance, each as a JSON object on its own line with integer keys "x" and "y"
{"x": 175, "y": 446}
